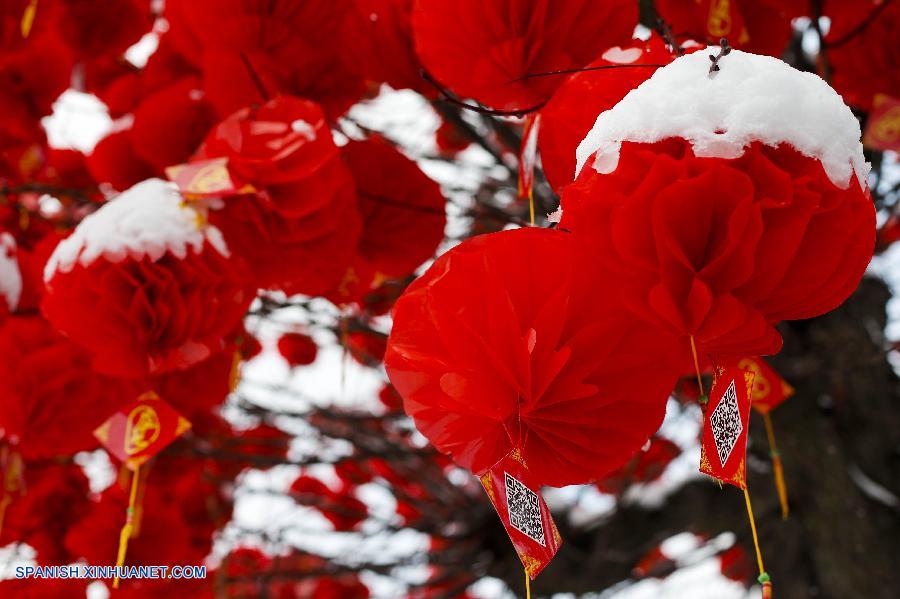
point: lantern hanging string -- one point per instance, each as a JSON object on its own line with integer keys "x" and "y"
{"x": 763, "y": 578}
{"x": 128, "y": 528}
{"x": 777, "y": 468}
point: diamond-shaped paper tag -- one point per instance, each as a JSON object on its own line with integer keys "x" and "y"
{"x": 769, "y": 389}
{"x": 206, "y": 179}
{"x": 141, "y": 430}
{"x": 523, "y": 512}
{"x": 724, "y": 447}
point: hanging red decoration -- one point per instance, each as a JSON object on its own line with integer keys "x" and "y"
{"x": 488, "y": 50}
{"x": 493, "y": 349}
{"x": 298, "y": 349}
{"x": 402, "y": 209}
{"x": 249, "y": 52}
{"x": 50, "y": 398}
{"x": 761, "y": 26}
{"x": 145, "y": 285}
{"x": 726, "y": 216}
{"x": 647, "y": 466}
{"x": 379, "y": 44}
{"x": 581, "y": 97}
{"x": 863, "y": 55}
{"x": 882, "y": 131}
{"x": 299, "y": 232}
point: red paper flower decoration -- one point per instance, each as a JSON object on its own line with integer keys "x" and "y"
{"x": 647, "y": 466}
{"x": 503, "y": 344}
{"x": 144, "y": 285}
{"x": 750, "y": 218}
{"x": 51, "y": 398}
{"x": 572, "y": 110}
{"x": 300, "y": 232}
{"x": 482, "y": 50}
{"x": 298, "y": 349}
{"x": 402, "y": 209}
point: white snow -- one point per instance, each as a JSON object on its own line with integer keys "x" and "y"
{"x": 752, "y": 98}
{"x": 303, "y": 128}
{"x": 622, "y": 56}
{"x": 10, "y": 277}
{"x": 149, "y": 219}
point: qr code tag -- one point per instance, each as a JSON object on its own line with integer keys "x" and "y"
{"x": 524, "y": 510}
{"x": 726, "y": 424}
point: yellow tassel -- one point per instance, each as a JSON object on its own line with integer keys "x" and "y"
{"x": 28, "y": 18}
{"x": 763, "y": 576}
{"x": 128, "y": 528}
{"x": 776, "y": 466}
{"x": 527, "y": 585}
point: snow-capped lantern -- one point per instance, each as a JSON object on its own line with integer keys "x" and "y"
{"x": 145, "y": 284}
{"x": 729, "y": 193}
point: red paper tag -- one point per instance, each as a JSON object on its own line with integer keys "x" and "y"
{"x": 141, "y": 430}
{"x": 769, "y": 389}
{"x": 526, "y": 517}
{"x": 727, "y": 418}
{"x": 206, "y": 178}
{"x": 883, "y": 126}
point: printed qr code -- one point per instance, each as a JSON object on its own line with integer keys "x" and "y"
{"x": 726, "y": 424}
{"x": 524, "y": 510}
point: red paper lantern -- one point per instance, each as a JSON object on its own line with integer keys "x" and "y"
{"x": 298, "y": 349}
{"x": 572, "y": 110}
{"x": 144, "y": 285}
{"x": 727, "y": 215}
{"x": 402, "y": 209}
{"x": 300, "y": 231}
{"x": 482, "y": 50}
{"x": 864, "y": 63}
{"x": 503, "y": 344}
{"x": 250, "y": 51}
{"x": 51, "y": 398}
{"x": 379, "y": 45}
{"x": 762, "y": 26}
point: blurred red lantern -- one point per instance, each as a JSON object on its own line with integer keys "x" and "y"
{"x": 51, "y": 398}
{"x": 645, "y": 467}
{"x": 144, "y": 285}
{"x": 297, "y": 349}
{"x": 300, "y": 231}
{"x": 402, "y": 209}
{"x": 761, "y": 26}
{"x": 497, "y": 347}
{"x": 862, "y": 50}
{"x": 379, "y": 45}
{"x": 486, "y": 50}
